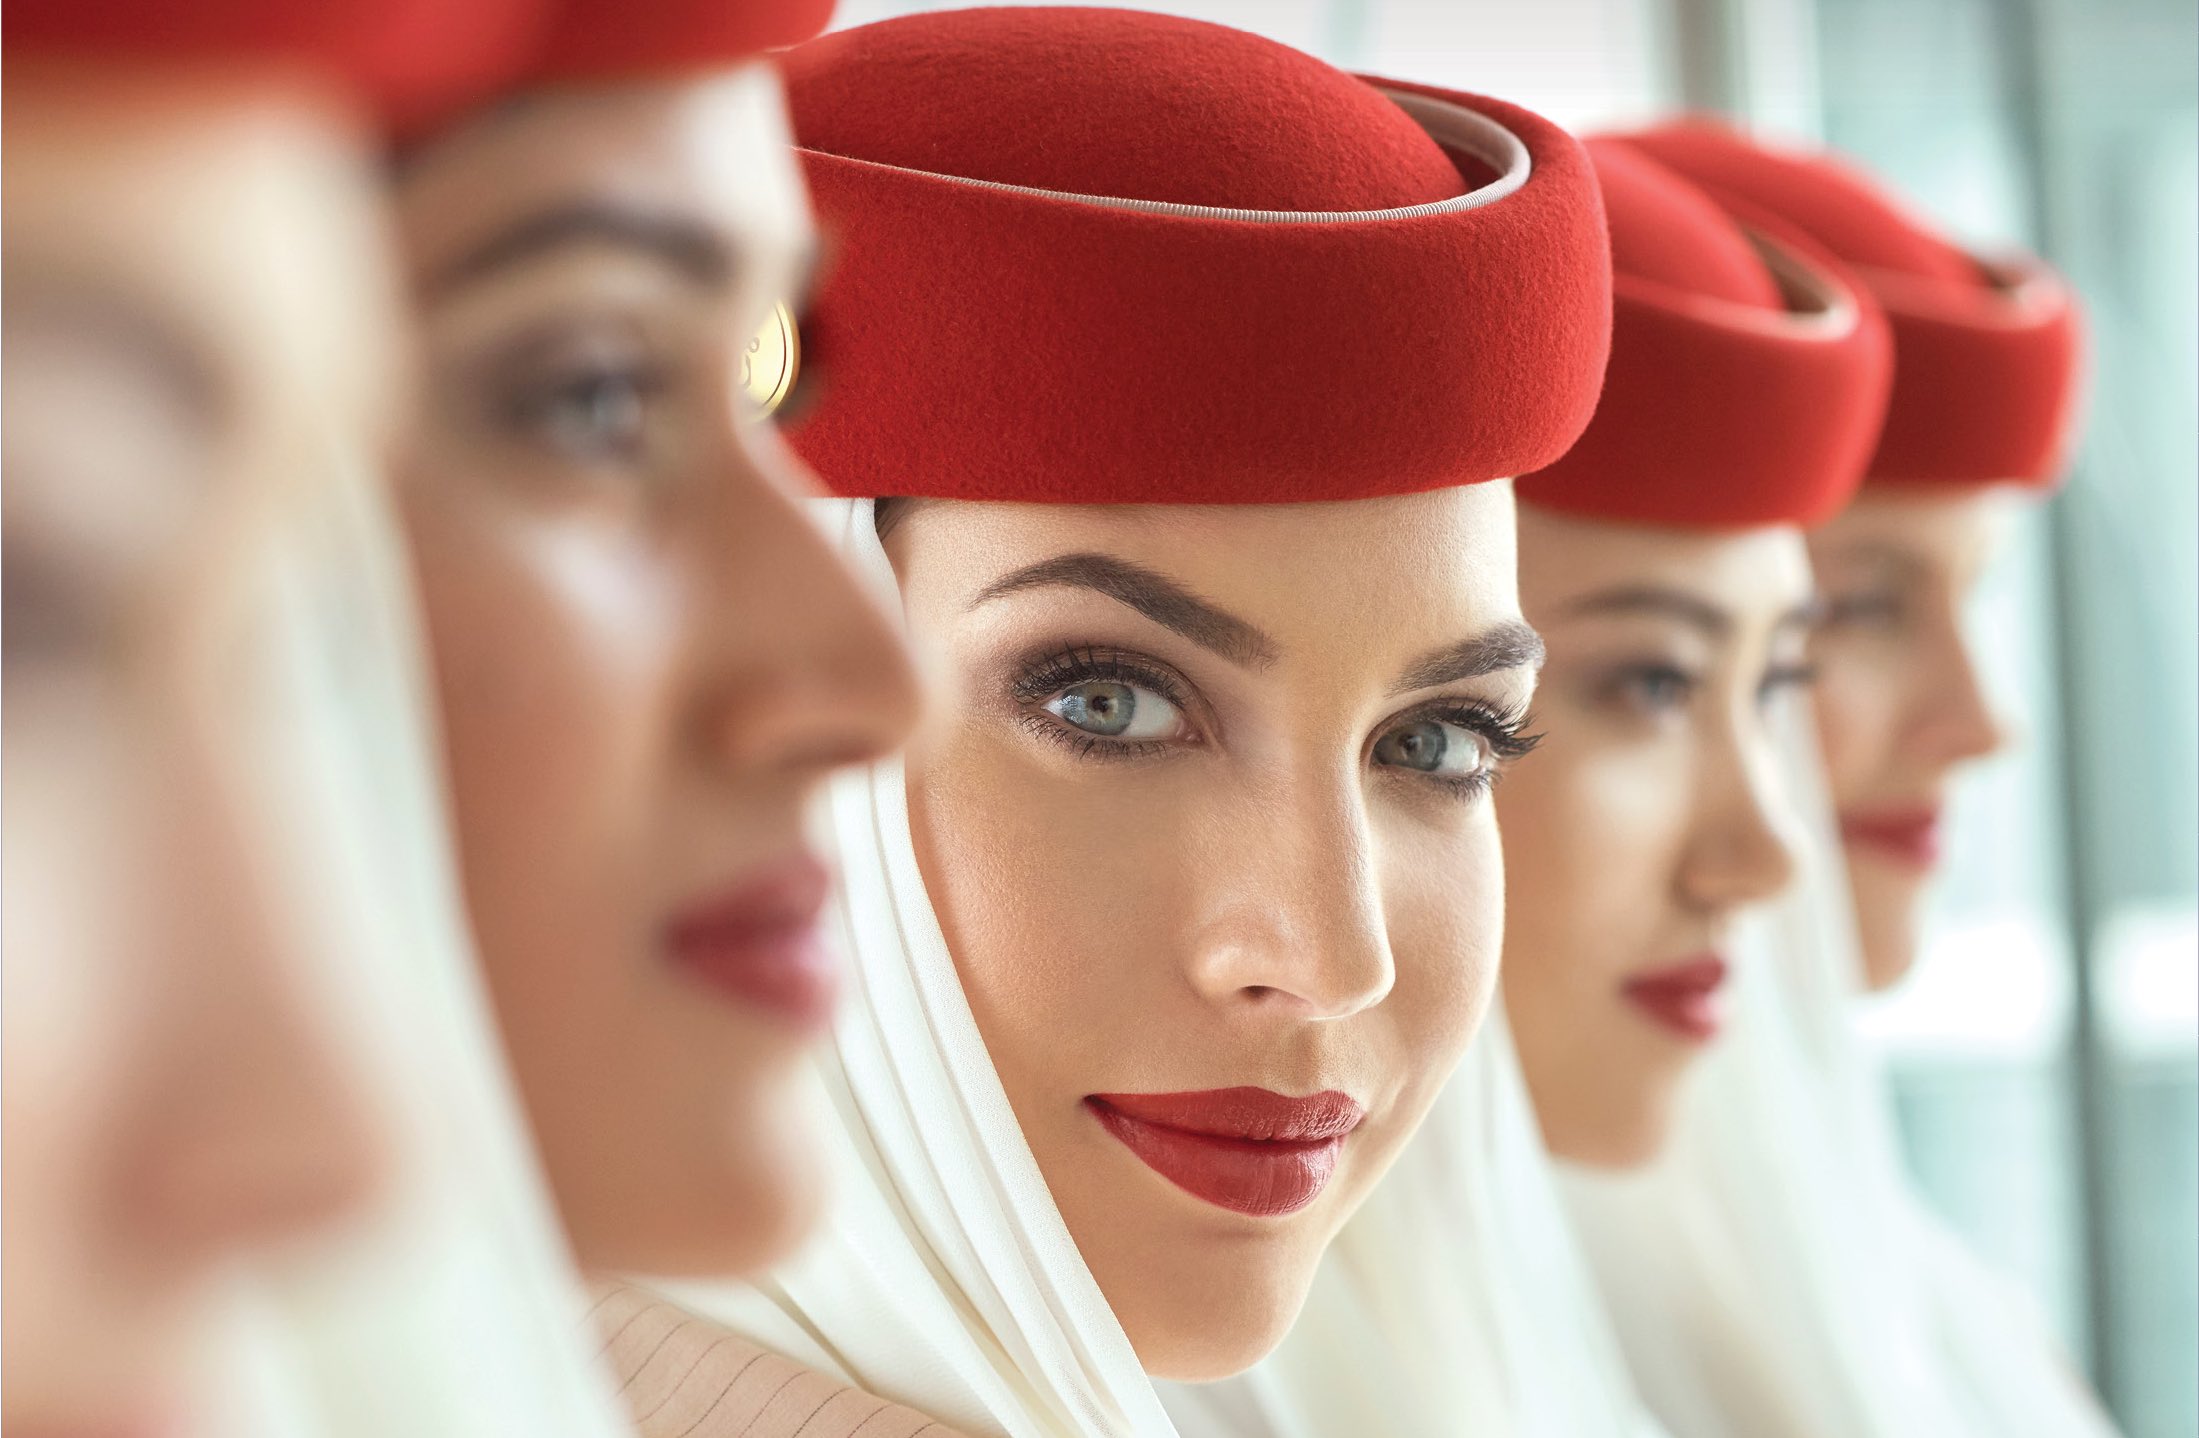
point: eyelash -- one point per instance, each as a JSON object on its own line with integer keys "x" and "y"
{"x": 1503, "y": 730}
{"x": 1041, "y": 680}
{"x": 536, "y": 408}
{"x": 1627, "y": 684}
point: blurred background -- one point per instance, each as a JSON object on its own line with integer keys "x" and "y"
{"x": 2045, "y": 1055}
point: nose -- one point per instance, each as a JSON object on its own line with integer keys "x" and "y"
{"x": 1745, "y": 846}
{"x": 254, "y": 1128}
{"x": 1296, "y": 920}
{"x": 805, "y": 671}
{"x": 1953, "y": 720}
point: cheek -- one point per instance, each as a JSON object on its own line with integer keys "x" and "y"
{"x": 1027, "y": 914}
{"x": 1444, "y": 911}
{"x": 1857, "y": 699}
{"x": 556, "y": 655}
{"x": 1061, "y": 898}
{"x": 1593, "y": 836}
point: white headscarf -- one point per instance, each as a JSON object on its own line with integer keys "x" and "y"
{"x": 1773, "y": 1275}
{"x": 450, "y": 1308}
{"x": 1454, "y": 1302}
{"x": 943, "y": 1277}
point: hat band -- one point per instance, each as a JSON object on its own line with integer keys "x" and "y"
{"x": 1816, "y": 302}
{"x": 1717, "y": 415}
{"x": 1454, "y": 127}
{"x": 1988, "y": 379}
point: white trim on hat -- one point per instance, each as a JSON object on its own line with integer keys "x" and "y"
{"x": 1450, "y": 125}
{"x": 1817, "y": 302}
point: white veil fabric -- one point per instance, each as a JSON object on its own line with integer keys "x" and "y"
{"x": 942, "y": 1277}
{"x": 449, "y": 1309}
{"x": 1772, "y": 1274}
{"x": 1454, "y": 1302}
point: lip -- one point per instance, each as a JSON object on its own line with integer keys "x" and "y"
{"x": 1907, "y": 836}
{"x": 1249, "y": 1150}
{"x": 759, "y": 942}
{"x": 1683, "y": 997}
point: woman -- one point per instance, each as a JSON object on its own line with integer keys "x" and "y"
{"x": 1190, "y": 363}
{"x": 1662, "y": 559}
{"x": 1985, "y": 403}
{"x": 648, "y": 660}
{"x": 236, "y": 1003}
{"x": 1774, "y": 1273}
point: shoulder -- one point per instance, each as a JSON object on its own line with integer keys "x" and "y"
{"x": 681, "y": 1376}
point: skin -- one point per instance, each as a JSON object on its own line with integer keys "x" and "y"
{"x": 1257, "y": 893}
{"x": 648, "y": 657}
{"x": 1900, "y": 706}
{"x": 179, "y": 1100}
{"x": 1653, "y": 814}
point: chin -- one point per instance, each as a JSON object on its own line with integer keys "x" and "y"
{"x": 749, "y": 1193}
{"x": 1212, "y": 1320}
{"x": 1885, "y": 925}
{"x": 1207, "y": 1352}
{"x": 770, "y": 1189}
{"x": 1627, "y": 1133}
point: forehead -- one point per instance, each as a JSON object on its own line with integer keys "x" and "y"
{"x": 1407, "y": 565}
{"x": 233, "y": 223}
{"x": 714, "y": 150}
{"x": 1947, "y": 532}
{"x": 1564, "y": 559}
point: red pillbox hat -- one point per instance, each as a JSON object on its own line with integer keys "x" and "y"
{"x": 610, "y": 39}
{"x": 1988, "y": 355}
{"x": 1095, "y": 256}
{"x": 406, "y": 59}
{"x": 1748, "y": 375}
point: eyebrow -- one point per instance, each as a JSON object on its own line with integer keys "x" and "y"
{"x": 1152, "y": 594}
{"x": 1510, "y": 645}
{"x": 1690, "y": 609}
{"x": 684, "y": 244}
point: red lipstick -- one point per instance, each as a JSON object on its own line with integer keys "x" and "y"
{"x": 1245, "y": 1149}
{"x": 1907, "y": 836}
{"x": 759, "y": 942}
{"x": 1683, "y": 997}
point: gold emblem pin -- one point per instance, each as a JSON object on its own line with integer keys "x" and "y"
{"x": 771, "y": 361}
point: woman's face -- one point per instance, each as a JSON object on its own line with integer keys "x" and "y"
{"x": 1653, "y": 813}
{"x": 648, "y": 657}
{"x": 1899, "y": 706}
{"x": 190, "y": 341}
{"x": 1204, "y": 811}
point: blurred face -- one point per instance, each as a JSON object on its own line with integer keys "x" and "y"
{"x": 1653, "y": 813}
{"x": 1205, "y": 816}
{"x": 189, "y": 340}
{"x": 648, "y": 658}
{"x": 1899, "y": 707}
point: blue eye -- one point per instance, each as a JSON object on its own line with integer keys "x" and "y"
{"x": 589, "y": 411}
{"x": 1656, "y": 688}
{"x": 1112, "y": 709}
{"x": 597, "y": 416}
{"x": 1782, "y": 679}
{"x": 1431, "y": 746}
